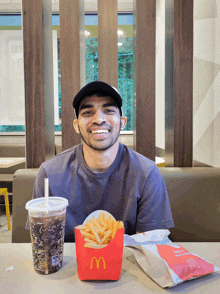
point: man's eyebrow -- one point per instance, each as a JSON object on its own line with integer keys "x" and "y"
{"x": 109, "y": 104}
{"x": 91, "y": 105}
{"x": 86, "y": 106}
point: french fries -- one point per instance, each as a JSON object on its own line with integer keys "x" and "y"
{"x": 99, "y": 232}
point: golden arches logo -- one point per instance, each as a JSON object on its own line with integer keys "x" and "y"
{"x": 97, "y": 262}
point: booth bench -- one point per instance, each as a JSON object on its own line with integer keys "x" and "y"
{"x": 194, "y": 195}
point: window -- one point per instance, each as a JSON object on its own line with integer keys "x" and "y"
{"x": 125, "y": 59}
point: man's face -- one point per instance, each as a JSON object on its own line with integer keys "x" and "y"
{"x": 99, "y": 122}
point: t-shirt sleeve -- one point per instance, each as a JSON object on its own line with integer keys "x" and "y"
{"x": 154, "y": 210}
{"x": 38, "y": 190}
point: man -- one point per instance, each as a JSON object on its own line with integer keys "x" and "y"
{"x": 102, "y": 173}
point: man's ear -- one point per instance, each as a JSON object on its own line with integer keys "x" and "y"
{"x": 76, "y": 126}
{"x": 123, "y": 122}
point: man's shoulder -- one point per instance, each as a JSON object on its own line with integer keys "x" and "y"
{"x": 63, "y": 158}
{"x": 139, "y": 166}
{"x": 138, "y": 159}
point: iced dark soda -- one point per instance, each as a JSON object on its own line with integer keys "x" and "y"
{"x": 47, "y": 229}
{"x": 47, "y": 236}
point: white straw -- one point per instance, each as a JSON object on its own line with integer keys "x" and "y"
{"x": 46, "y": 190}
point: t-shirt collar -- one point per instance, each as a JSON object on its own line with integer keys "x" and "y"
{"x": 98, "y": 174}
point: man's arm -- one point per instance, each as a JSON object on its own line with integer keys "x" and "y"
{"x": 154, "y": 210}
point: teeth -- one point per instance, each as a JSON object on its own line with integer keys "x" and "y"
{"x": 100, "y": 132}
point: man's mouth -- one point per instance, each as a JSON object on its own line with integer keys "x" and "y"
{"x": 100, "y": 131}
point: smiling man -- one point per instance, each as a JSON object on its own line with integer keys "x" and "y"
{"x": 102, "y": 173}
{"x": 99, "y": 123}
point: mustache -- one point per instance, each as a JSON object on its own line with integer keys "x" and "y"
{"x": 103, "y": 124}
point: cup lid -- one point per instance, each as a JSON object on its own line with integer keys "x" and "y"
{"x": 54, "y": 204}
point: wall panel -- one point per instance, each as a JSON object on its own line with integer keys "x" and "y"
{"x": 34, "y": 82}
{"x": 183, "y": 83}
{"x": 70, "y": 68}
{"x": 107, "y": 41}
{"x": 145, "y": 47}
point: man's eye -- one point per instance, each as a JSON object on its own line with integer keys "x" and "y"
{"x": 88, "y": 112}
{"x": 109, "y": 111}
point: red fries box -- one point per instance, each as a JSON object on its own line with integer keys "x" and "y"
{"x": 99, "y": 264}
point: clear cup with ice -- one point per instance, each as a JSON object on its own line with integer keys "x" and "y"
{"x": 47, "y": 229}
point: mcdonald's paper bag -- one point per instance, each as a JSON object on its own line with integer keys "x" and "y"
{"x": 99, "y": 264}
{"x": 166, "y": 263}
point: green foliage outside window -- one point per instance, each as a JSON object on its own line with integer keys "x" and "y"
{"x": 125, "y": 82}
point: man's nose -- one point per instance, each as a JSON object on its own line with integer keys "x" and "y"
{"x": 99, "y": 117}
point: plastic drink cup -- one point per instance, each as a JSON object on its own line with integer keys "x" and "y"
{"x": 47, "y": 229}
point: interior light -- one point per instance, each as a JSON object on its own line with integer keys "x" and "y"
{"x": 120, "y": 32}
{"x": 87, "y": 33}
{"x": 120, "y": 44}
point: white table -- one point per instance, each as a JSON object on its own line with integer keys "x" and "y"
{"x": 6, "y": 162}
{"x": 23, "y": 279}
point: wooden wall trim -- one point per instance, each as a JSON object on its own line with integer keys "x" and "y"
{"x": 34, "y": 82}
{"x": 70, "y": 68}
{"x": 108, "y": 40}
{"x": 145, "y": 40}
{"x": 48, "y": 79}
{"x": 183, "y": 83}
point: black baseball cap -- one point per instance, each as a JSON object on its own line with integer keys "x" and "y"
{"x": 97, "y": 87}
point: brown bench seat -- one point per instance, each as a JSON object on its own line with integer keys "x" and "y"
{"x": 194, "y": 195}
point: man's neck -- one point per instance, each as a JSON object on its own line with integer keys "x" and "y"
{"x": 99, "y": 160}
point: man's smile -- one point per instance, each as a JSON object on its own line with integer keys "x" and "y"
{"x": 100, "y": 131}
{"x": 99, "y": 134}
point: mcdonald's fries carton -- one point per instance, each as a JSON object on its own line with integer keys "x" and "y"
{"x": 99, "y": 249}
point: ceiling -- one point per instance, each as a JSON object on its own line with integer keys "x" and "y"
{"x": 13, "y": 6}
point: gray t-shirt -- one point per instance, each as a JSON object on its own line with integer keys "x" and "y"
{"x": 131, "y": 189}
